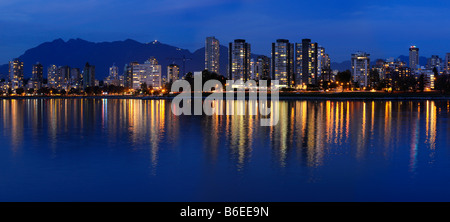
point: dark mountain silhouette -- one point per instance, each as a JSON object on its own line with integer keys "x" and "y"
{"x": 341, "y": 66}
{"x": 76, "y": 52}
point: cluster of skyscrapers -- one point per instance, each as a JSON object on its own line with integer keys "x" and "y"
{"x": 294, "y": 65}
{"x": 58, "y": 77}
{"x": 297, "y": 65}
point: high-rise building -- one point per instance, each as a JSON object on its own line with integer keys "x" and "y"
{"x": 154, "y": 76}
{"x": 262, "y": 68}
{"x": 447, "y": 64}
{"x": 306, "y": 63}
{"x": 239, "y": 60}
{"x": 131, "y": 78}
{"x": 62, "y": 77}
{"x": 323, "y": 65}
{"x": 16, "y": 74}
{"x": 413, "y": 57}
{"x": 37, "y": 75}
{"x": 320, "y": 56}
{"x": 76, "y": 78}
{"x": 327, "y": 73}
{"x": 173, "y": 73}
{"x": 361, "y": 68}
{"x": 51, "y": 76}
{"x": 88, "y": 76}
{"x": 252, "y": 69}
{"x": 148, "y": 73}
{"x": 114, "y": 72}
{"x": 434, "y": 62}
{"x": 212, "y": 54}
{"x": 113, "y": 77}
{"x": 282, "y": 62}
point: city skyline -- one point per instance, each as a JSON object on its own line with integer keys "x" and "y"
{"x": 344, "y": 27}
{"x": 236, "y": 102}
{"x": 310, "y": 71}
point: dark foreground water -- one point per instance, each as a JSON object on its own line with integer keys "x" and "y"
{"x": 135, "y": 150}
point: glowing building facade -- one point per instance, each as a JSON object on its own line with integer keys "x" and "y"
{"x": 361, "y": 68}
{"x": 413, "y": 57}
{"x": 239, "y": 60}
{"x": 16, "y": 74}
{"x": 212, "y": 54}
{"x": 306, "y": 62}
{"x": 282, "y": 62}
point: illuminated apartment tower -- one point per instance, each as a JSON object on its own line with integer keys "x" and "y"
{"x": 131, "y": 77}
{"x": 51, "y": 76}
{"x": 37, "y": 75}
{"x": 88, "y": 76}
{"x": 114, "y": 72}
{"x": 360, "y": 68}
{"x": 306, "y": 63}
{"x": 113, "y": 77}
{"x": 15, "y": 74}
{"x": 154, "y": 76}
{"x": 148, "y": 73}
{"x": 447, "y": 64}
{"x": 434, "y": 62}
{"x": 413, "y": 57}
{"x": 323, "y": 65}
{"x": 262, "y": 67}
{"x": 212, "y": 54}
{"x": 252, "y": 69}
{"x": 239, "y": 60}
{"x": 282, "y": 62}
{"x": 76, "y": 78}
{"x": 173, "y": 73}
{"x": 62, "y": 77}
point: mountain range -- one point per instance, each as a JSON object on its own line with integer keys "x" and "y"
{"x": 77, "y": 52}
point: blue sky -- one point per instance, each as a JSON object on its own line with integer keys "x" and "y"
{"x": 381, "y": 28}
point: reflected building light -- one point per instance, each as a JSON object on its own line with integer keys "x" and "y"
{"x": 387, "y": 123}
{"x": 280, "y": 137}
{"x": 414, "y": 142}
{"x": 154, "y": 127}
{"x": 329, "y": 123}
{"x": 104, "y": 113}
{"x": 347, "y": 123}
{"x": 372, "y": 119}
{"x": 16, "y": 116}
{"x": 431, "y": 130}
{"x": 339, "y": 122}
{"x": 362, "y": 138}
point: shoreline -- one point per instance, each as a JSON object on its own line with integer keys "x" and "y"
{"x": 282, "y": 96}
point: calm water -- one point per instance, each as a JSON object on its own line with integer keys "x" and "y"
{"x": 135, "y": 150}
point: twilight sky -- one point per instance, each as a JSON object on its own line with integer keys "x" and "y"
{"x": 383, "y": 28}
